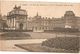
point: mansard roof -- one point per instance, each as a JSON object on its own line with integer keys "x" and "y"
{"x": 69, "y": 13}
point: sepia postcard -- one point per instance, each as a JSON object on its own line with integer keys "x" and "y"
{"x": 28, "y": 26}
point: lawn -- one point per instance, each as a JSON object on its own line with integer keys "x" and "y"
{"x": 14, "y": 36}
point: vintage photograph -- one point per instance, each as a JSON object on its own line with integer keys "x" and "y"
{"x": 27, "y": 26}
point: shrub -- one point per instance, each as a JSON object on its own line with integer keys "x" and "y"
{"x": 68, "y": 43}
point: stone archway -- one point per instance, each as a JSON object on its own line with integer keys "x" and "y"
{"x": 21, "y": 26}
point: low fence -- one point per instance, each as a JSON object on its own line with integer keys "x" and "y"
{"x": 62, "y": 30}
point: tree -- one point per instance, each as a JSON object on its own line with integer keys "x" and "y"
{"x": 4, "y": 25}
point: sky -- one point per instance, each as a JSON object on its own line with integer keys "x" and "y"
{"x": 44, "y": 9}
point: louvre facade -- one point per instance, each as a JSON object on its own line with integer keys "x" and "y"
{"x": 17, "y": 19}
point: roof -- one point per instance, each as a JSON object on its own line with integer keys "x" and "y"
{"x": 69, "y": 13}
{"x": 17, "y": 10}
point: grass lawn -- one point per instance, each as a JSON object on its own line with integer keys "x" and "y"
{"x": 14, "y": 36}
{"x": 33, "y": 35}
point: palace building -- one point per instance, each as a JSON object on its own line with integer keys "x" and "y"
{"x": 69, "y": 20}
{"x": 17, "y": 19}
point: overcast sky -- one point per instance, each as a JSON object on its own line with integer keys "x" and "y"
{"x": 44, "y": 9}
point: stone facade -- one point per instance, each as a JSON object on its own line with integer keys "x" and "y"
{"x": 38, "y": 23}
{"x": 69, "y": 20}
{"x": 17, "y": 18}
